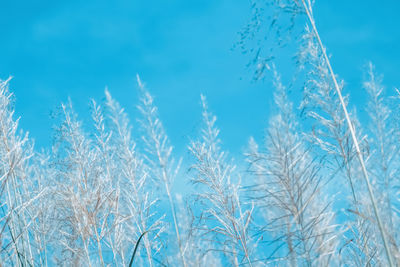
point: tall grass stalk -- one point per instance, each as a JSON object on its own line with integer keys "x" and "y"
{"x": 226, "y": 218}
{"x": 137, "y": 204}
{"x": 159, "y": 155}
{"x": 308, "y": 9}
{"x": 17, "y": 195}
{"x": 290, "y": 191}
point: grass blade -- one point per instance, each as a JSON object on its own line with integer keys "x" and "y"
{"x": 136, "y": 247}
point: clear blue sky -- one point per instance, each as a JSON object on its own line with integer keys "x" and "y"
{"x": 60, "y": 49}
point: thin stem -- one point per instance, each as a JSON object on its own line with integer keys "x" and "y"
{"x": 353, "y": 135}
{"x": 172, "y": 205}
{"x": 162, "y": 155}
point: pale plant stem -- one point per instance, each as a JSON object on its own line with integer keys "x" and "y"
{"x": 21, "y": 228}
{"x": 381, "y": 132}
{"x": 290, "y": 246}
{"x": 39, "y": 250}
{"x": 105, "y": 158}
{"x": 112, "y": 245}
{"x": 85, "y": 243}
{"x": 24, "y": 222}
{"x": 146, "y": 240}
{"x": 117, "y": 231}
{"x": 304, "y": 239}
{"x": 164, "y": 172}
{"x": 246, "y": 252}
{"x": 99, "y": 246}
{"x": 132, "y": 175}
{"x": 148, "y": 250}
{"x": 353, "y": 135}
{"x": 242, "y": 235}
{"x": 87, "y": 253}
{"x": 171, "y": 203}
{"x": 235, "y": 260}
{"x": 11, "y": 221}
{"x": 236, "y": 231}
{"x": 45, "y": 256}
{"x": 13, "y": 231}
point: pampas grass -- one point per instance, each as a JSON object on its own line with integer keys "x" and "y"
{"x": 321, "y": 188}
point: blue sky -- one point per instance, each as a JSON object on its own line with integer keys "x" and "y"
{"x": 60, "y": 49}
